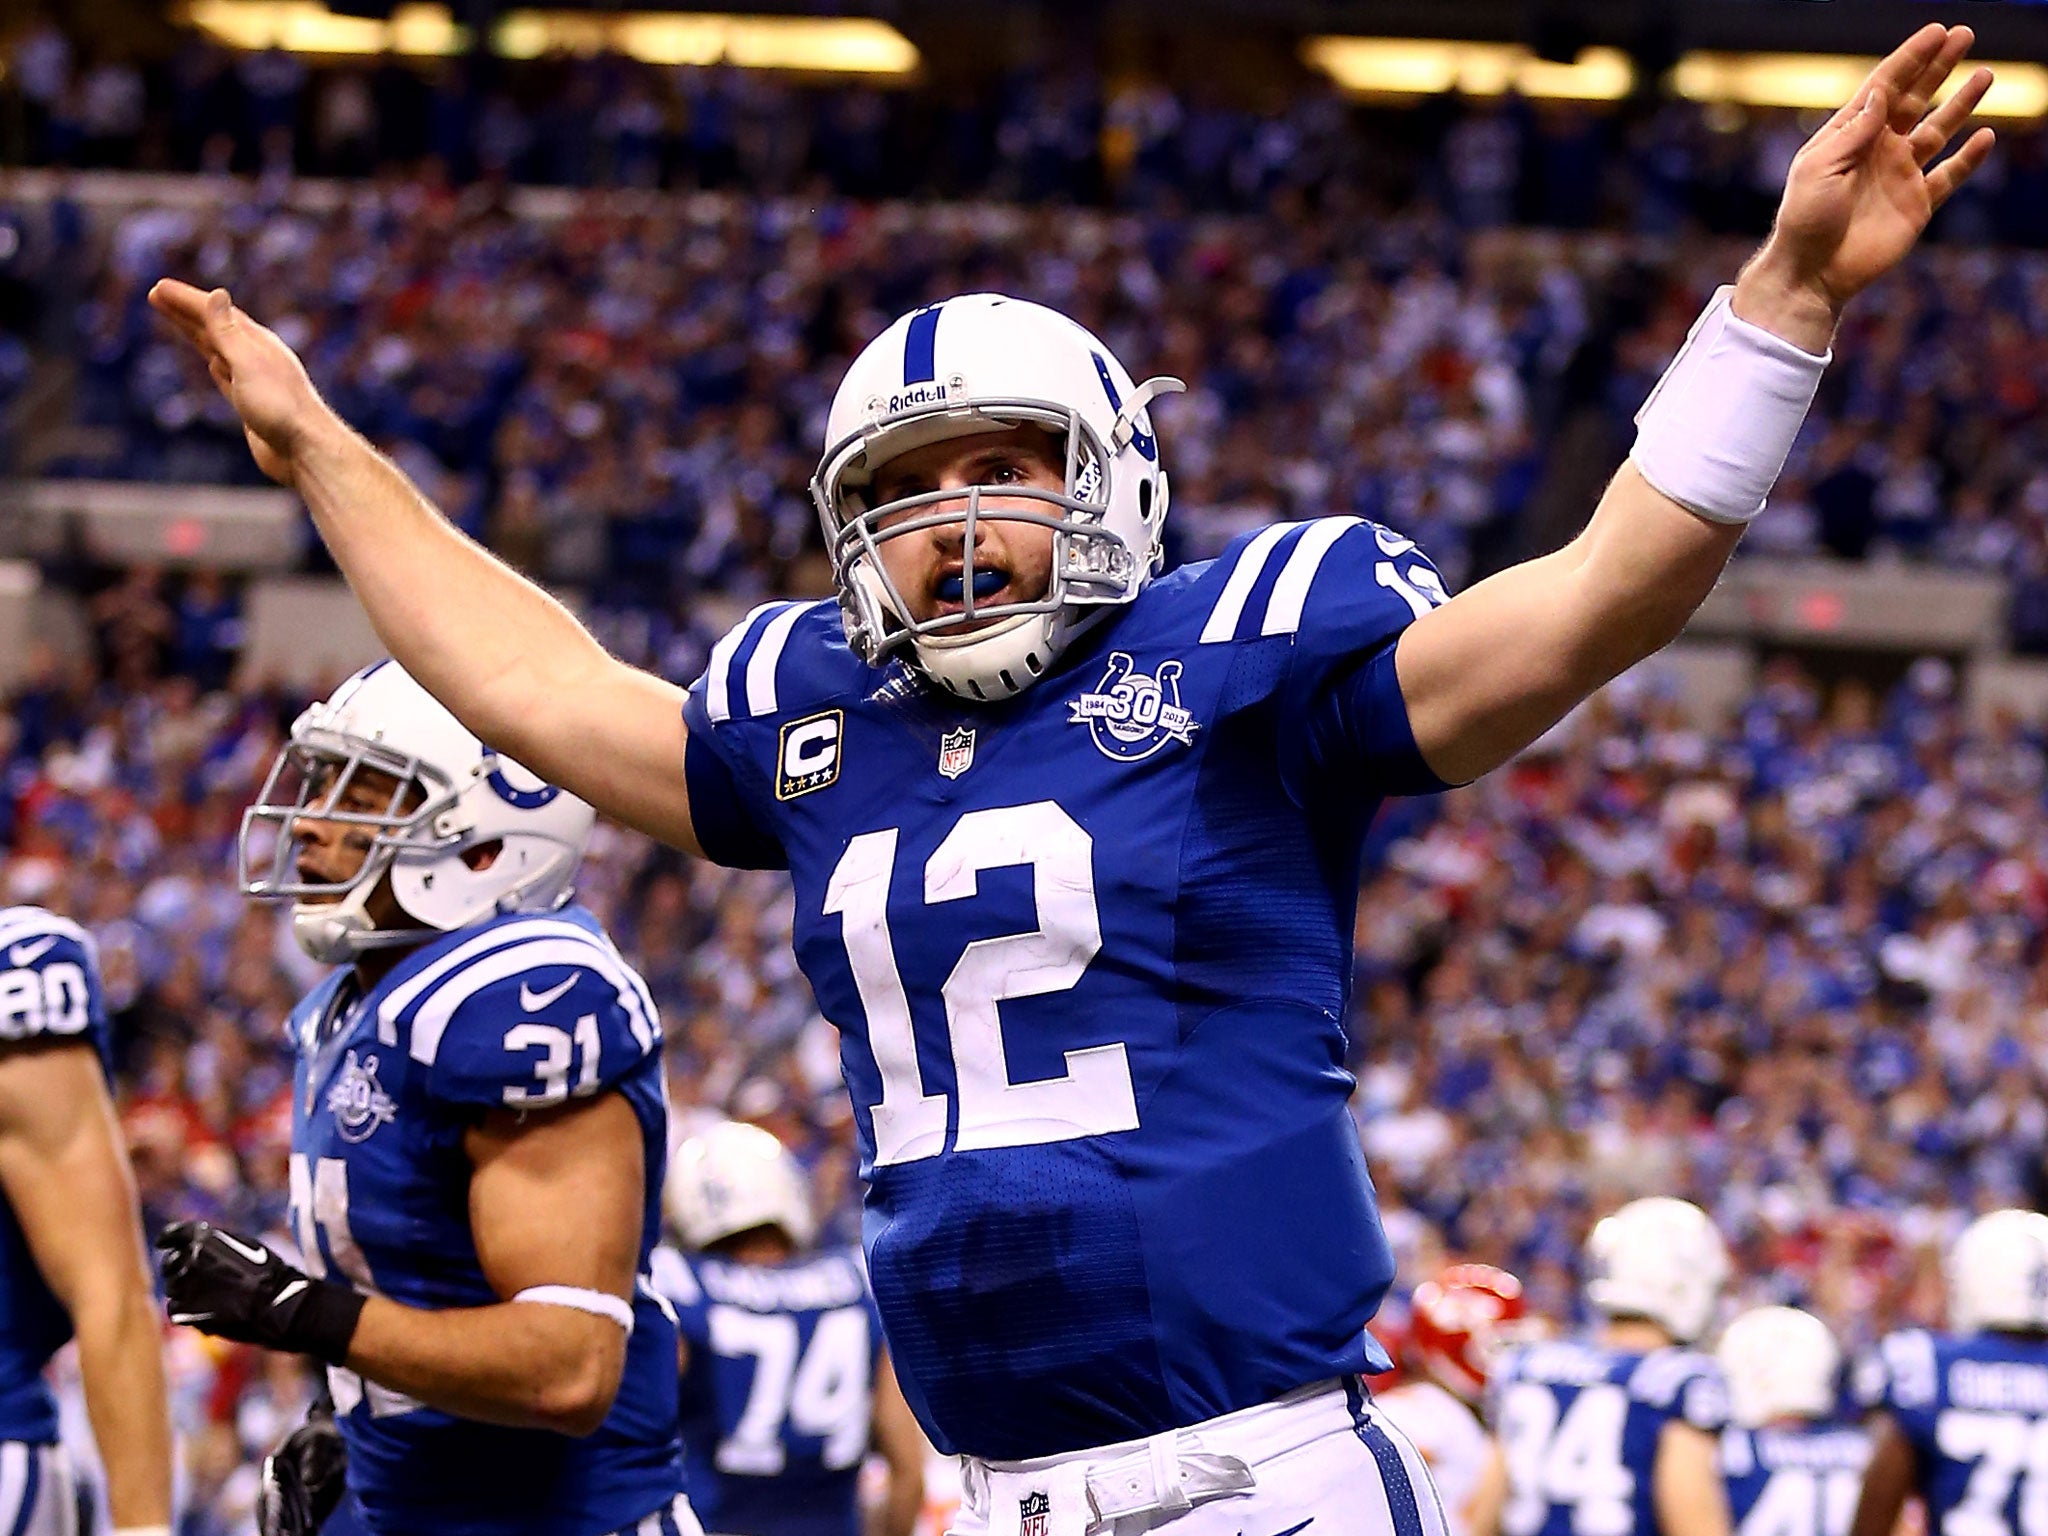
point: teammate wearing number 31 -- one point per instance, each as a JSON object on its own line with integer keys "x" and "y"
{"x": 479, "y": 1135}
{"x": 1075, "y": 844}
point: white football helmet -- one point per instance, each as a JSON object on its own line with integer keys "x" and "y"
{"x": 1998, "y": 1274}
{"x": 452, "y": 794}
{"x": 733, "y": 1178}
{"x": 1781, "y": 1363}
{"x": 1658, "y": 1259}
{"x": 986, "y": 363}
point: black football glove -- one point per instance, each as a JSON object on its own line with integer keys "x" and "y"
{"x": 235, "y": 1288}
{"x": 303, "y": 1479}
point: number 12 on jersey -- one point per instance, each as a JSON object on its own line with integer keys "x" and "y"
{"x": 1094, "y": 1097}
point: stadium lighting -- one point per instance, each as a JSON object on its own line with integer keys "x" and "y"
{"x": 1826, "y": 80}
{"x": 828, "y": 45}
{"x": 1407, "y": 66}
{"x": 821, "y": 45}
{"x": 306, "y": 26}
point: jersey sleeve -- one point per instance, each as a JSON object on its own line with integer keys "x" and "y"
{"x": 1684, "y": 1385}
{"x": 49, "y": 981}
{"x": 1902, "y": 1377}
{"x": 538, "y": 1022}
{"x": 1345, "y": 590}
{"x": 732, "y": 797}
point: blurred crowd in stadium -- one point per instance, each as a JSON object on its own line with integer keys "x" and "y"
{"x": 628, "y": 398}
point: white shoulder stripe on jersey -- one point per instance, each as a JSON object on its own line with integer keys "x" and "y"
{"x": 409, "y": 991}
{"x": 1290, "y": 592}
{"x": 431, "y": 1022}
{"x": 18, "y": 923}
{"x": 718, "y": 671}
{"x": 761, "y": 665}
{"x": 1237, "y": 590}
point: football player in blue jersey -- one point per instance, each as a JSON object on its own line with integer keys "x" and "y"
{"x": 1962, "y": 1418}
{"x": 1075, "y": 844}
{"x": 1792, "y": 1464}
{"x": 71, "y": 1257}
{"x": 478, "y": 1140}
{"x": 785, "y": 1384}
{"x": 1616, "y": 1435}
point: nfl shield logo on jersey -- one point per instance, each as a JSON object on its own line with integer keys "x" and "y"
{"x": 1034, "y": 1513}
{"x": 1130, "y": 715}
{"x": 956, "y": 752}
{"x": 358, "y": 1101}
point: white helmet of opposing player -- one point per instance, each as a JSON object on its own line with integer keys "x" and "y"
{"x": 1658, "y": 1259}
{"x": 1781, "y": 1363}
{"x": 452, "y": 795}
{"x": 733, "y": 1178}
{"x": 986, "y": 363}
{"x": 1998, "y": 1274}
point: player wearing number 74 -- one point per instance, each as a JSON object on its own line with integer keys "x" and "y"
{"x": 479, "y": 1137}
{"x": 1075, "y": 841}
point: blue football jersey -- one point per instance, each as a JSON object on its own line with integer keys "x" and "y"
{"x": 1794, "y": 1480}
{"x": 778, "y": 1390}
{"x": 1578, "y": 1426}
{"x": 522, "y": 1011}
{"x": 1088, "y": 951}
{"x": 1975, "y": 1410}
{"x": 49, "y": 990}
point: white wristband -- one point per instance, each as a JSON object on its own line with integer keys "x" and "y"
{"x": 1715, "y": 431}
{"x": 577, "y": 1299}
{"x": 142, "y": 1530}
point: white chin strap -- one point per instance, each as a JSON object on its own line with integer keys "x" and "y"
{"x": 335, "y": 932}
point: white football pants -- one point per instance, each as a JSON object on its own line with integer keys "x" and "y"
{"x": 37, "y": 1497}
{"x": 1321, "y": 1461}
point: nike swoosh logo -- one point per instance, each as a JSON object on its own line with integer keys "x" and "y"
{"x": 1311, "y": 1520}
{"x": 287, "y": 1293}
{"x": 29, "y": 954}
{"x": 533, "y": 1001}
{"x": 255, "y": 1253}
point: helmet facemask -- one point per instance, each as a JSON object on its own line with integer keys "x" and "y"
{"x": 308, "y": 782}
{"x": 1092, "y": 571}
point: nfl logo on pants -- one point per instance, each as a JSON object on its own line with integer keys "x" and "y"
{"x": 1033, "y": 1511}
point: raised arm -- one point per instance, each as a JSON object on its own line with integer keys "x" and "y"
{"x": 1491, "y": 670}
{"x": 507, "y": 659}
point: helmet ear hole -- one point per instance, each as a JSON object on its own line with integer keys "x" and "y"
{"x": 1145, "y": 499}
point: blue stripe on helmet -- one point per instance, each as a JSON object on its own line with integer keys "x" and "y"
{"x": 920, "y": 349}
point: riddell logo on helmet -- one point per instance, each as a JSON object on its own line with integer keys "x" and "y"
{"x": 917, "y": 394}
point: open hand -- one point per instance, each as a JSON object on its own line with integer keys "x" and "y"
{"x": 261, "y": 377}
{"x": 1862, "y": 189}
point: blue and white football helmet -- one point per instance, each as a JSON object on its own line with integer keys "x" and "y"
{"x": 452, "y": 794}
{"x": 987, "y": 363}
{"x": 1998, "y": 1274}
{"x": 1781, "y": 1363}
{"x": 733, "y": 1178}
{"x": 1659, "y": 1259}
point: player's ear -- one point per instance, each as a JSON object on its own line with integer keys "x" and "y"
{"x": 483, "y": 855}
